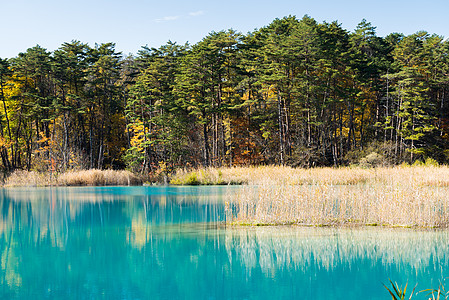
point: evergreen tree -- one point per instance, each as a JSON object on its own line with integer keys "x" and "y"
{"x": 205, "y": 88}
{"x": 5, "y": 126}
{"x": 157, "y": 124}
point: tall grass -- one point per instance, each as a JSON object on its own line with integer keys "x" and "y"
{"x": 272, "y": 174}
{"x": 25, "y": 178}
{"x": 73, "y": 178}
{"x": 98, "y": 177}
{"x": 401, "y": 196}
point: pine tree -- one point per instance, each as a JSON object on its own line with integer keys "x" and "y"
{"x": 157, "y": 124}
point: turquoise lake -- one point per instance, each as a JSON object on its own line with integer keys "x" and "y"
{"x": 171, "y": 243}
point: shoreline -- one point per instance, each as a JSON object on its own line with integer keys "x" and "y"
{"x": 407, "y": 197}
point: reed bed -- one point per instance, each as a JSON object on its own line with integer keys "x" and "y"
{"x": 437, "y": 176}
{"x": 73, "y": 178}
{"x": 257, "y": 175}
{"x": 98, "y": 177}
{"x": 401, "y": 196}
{"x": 27, "y": 179}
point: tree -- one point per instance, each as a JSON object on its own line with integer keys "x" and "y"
{"x": 416, "y": 109}
{"x": 6, "y": 138}
{"x": 157, "y": 124}
{"x": 103, "y": 106}
{"x": 205, "y": 87}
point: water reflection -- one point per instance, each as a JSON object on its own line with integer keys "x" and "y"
{"x": 328, "y": 248}
{"x": 58, "y": 209}
{"x": 170, "y": 243}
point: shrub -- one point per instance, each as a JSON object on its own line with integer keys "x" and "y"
{"x": 367, "y": 157}
{"x": 192, "y": 179}
{"x": 372, "y": 160}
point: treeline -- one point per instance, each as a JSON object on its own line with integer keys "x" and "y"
{"x": 295, "y": 92}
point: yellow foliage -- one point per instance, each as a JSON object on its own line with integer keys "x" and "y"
{"x": 4, "y": 142}
{"x": 137, "y": 131}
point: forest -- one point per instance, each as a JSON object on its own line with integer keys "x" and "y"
{"x": 295, "y": 92}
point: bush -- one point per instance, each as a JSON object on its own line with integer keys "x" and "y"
{"x": 371, "y": 160}
{"x": 192, "y": 179}
{"x": 376, "y": 154}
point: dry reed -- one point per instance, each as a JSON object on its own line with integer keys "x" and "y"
{"x": 274, "y": 174}
{"x": 28, "y": 179}
{"x": 401, "y": 196}
{"x": 73, "y": 178}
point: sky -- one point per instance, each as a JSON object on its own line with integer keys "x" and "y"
{"x": 131, "y": 24}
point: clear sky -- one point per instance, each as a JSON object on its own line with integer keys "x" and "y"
{"x": 135, "y": 23}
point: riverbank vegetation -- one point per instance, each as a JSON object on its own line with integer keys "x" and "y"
{"x": 72, "y": 178}
{"x": 295, "y": 92}
{"x": 401, "y": 196}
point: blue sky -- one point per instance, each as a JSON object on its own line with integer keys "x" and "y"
{"x": 135, "y": 23}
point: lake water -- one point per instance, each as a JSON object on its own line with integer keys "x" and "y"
{"x": 171, "y": 243}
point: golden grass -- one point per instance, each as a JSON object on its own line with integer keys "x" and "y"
{"x": 25, "y": 178}
{"x": 73, "y": 178}
{"x": 400, "y": 196}
{"x": 273, "y": 174}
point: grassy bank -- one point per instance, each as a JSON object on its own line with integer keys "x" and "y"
{"x": 72, "y": 178}
{"x": 402, "y": 196}
{"x": 415, "y": 196}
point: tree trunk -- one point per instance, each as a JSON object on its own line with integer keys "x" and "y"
{"x": 206, "y": 142}
{"x": 281, "y": 131}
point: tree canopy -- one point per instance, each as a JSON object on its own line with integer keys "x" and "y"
{"x": 295, "y": 92}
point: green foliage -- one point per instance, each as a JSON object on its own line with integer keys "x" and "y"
{"x": 294, "y": 92}
{"x": 371, "y": 160}
{"x": 397, "y": 292}
{"x": 428, "y": 162}
{"x": 157, "y": 124}
{"x": 190, "y": 179}
{"x": 374, "y": 154}
{"x": 431, "y": 162}
{"x": 204, "y": 176}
